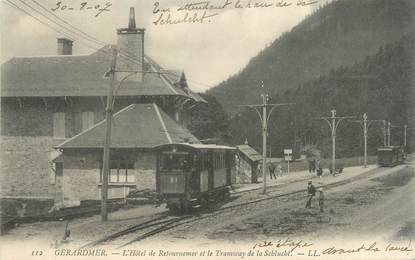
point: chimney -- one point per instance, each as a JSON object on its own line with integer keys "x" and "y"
{"x": 131, "y": 19}
{"x": 64, "y": 46}
{"x": 130, "y": 42}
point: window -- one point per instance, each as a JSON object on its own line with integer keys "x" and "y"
{"x": 176, "y": 116}
{"x": 204, "y": 159}
{"x": 59, "y": 125}
{"x": 120, "y": 172}
{"x": 219, "y": 161}
{"x": 87, "y": 120}
{"x": 171, "y": 161}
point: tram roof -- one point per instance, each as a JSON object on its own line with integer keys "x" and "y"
{"x": 199, "y": 146}
{"x": 388, "y": 148}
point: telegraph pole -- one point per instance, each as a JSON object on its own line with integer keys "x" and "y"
{"x": 405, "y": 129}
{"x": 333, "y": 123}
{"x": 264, "y": 137}
{"x": 365, "y": 137}
{"x": 365, "y": 125}
{"x": 388, "y": 133}
{"x": 264, "y": 121}
{"x": 106, "y": 156}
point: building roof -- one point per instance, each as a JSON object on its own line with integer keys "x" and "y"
{"x": 136, "y": 126}
{"x": 82, "y": 75}
{"x": 249, "y": 152}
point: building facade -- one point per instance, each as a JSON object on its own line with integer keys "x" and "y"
{"x": 49, "y": 99}
{"x": 136, "y": 130}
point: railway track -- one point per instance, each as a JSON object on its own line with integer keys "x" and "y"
{"x": 164, "y": 223}
{"x": 161, "y": 220}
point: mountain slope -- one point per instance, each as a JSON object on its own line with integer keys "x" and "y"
{"x": 382, "y": 85}
{"x": 338, "y": 34}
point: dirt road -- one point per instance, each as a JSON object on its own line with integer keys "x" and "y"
{"x": 371, "y": 212}
{"x": 379, "y": 209}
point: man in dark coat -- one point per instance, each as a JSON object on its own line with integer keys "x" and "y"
{"x": 271, "y": 169}
{"x": 312, "y": 165}
{"x": 311, "y": 192}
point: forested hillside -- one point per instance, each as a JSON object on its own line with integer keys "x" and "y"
{"x": 382, "y": 85}
{"x": 338, "y": 34}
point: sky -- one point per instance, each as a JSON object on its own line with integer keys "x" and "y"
{"x": 208, "y": 52}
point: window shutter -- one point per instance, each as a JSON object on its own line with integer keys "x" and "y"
{"x": 87, "y": 120}
{"x": 59, "y": 125}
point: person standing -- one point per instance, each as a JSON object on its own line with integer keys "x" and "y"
{"x": 310, "y": 166}
{"x": 319, "y": 172}
{"x": 319, "y": 169}
{"x": 271, "y": 169}
{"x": 311, "y": 192}
{"x": 321, "y": 199}
{"x": 279, "y": 169}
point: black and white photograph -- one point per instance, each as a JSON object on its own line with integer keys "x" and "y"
{"x": 218, "y": 129}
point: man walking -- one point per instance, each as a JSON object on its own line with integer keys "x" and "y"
{"x": 311, "y": 192}
{"x": 312, "y": 166}
{"x": 271, "y": 169}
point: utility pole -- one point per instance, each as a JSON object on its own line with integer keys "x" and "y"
{"x": 384, "y": 132}
{"x": 405, "y": 129}
{"x": 365, "y": 137}
{"x": 264, "y": 120}
{"x": 365, "y": 125}
{"x": 388, "y": 133}
{"x": 106, "y": 156}
{"x": 333, "y": 123}
{"x": 264, "y": 137}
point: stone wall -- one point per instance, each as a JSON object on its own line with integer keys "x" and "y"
{"x": 27, "y": 146}
{"x": 26, "y": 167}
{"x": 34, "y": 116}
{"x": 22, "y": 207}
{"x": 326, "y": 162}
{"x": 145, "y": 170}
{"x": 81, "y": 174}
{"x": 133, "y": 44}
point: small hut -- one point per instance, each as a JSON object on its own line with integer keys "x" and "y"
{"x": 247, "y": 164}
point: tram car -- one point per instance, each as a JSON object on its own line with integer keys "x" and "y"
{"x": 190, "y": 176}
{"x": 389, "y": 156}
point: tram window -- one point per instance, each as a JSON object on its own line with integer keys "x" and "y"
{"x": 215, "y": 160}
{"x": 204, "y": 162}
{"x": 175, "y": 161}
{"x": 221, "y": 160}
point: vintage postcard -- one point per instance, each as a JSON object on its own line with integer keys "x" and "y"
{"x": 218, "y": 129}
